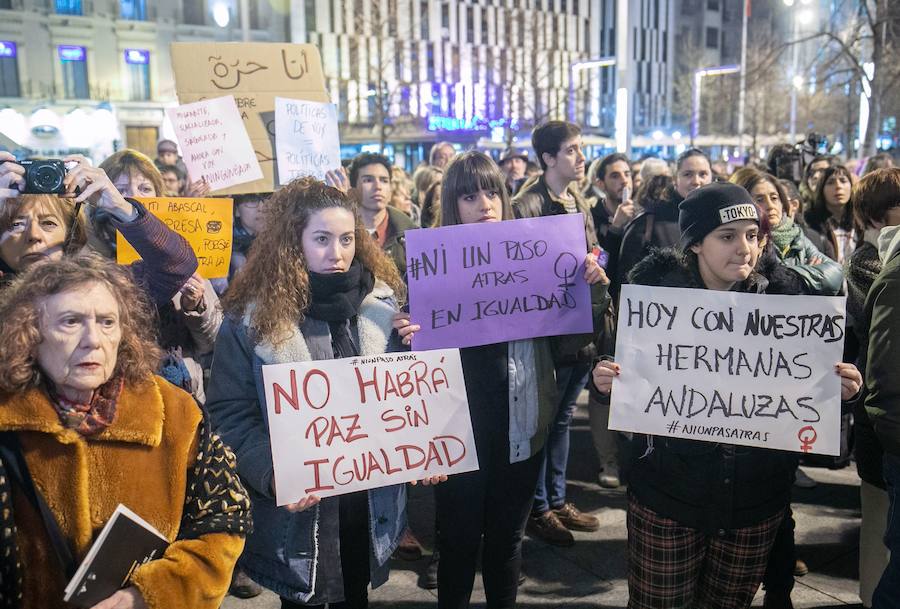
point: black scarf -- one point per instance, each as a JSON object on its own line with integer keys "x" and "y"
{"x": 336, "y": 298}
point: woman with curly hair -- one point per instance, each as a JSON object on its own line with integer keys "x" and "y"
{"x": 316, "y": 286}
{"x": 88, "y": 426}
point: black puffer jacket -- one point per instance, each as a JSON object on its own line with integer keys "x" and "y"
{"x": 702, "y": 485}
{"x": 657, "y": 227}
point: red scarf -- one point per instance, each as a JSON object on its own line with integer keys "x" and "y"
{"x": 91, "y": 418}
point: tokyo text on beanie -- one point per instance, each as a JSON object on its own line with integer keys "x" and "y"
{"x": 710, "y": 206}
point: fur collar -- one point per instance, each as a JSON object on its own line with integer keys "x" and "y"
{"x": 374, "y": 324}
{"x": 139, "y": 415}
{"x": 666, "y": 268}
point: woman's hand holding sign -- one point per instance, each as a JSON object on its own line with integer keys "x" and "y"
{"x": 430, "y": 480}
{"x": 405, "y": 328}
{"x": 851, "y": 380}
{"x": 604, "y": 373}
{"x": 593, "y": 272}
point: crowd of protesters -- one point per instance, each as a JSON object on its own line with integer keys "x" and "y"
{"x": 138, "y": 385}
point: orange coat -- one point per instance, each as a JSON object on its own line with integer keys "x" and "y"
{"x": 143, "y": 461}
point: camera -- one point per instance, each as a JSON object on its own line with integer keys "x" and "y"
{"x": 44, "y": 177}
{"x": 790, "y": 162}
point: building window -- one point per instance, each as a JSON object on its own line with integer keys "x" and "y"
{"x": 712, "y": 5}
{"x": 470, "y": 24}
{"x": 74, "y": 70}
{"x": 133, "y": 10}
{"x": 310, "y": 8}
{"x": 9, "y": 70}
{"x": 423, "y": 19}
{"x": 712, "y": 38}
{"x": 445, "y": 16}
{"x": 68, "y": 7}
{"x": 194, "y": 12}
{"x": 138, "y": 61}
{"x": 6, "y": 4}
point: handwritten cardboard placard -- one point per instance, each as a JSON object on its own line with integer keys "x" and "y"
{"x": 205, "y": 223}
{"x": 214, "y": 143}
{"x": 478, "y": 284}
{"x": 255, "y": 73}
{"x": 339, "y": 426}
{"x": 306, "y": 139}
{"x": 747, "y": 369}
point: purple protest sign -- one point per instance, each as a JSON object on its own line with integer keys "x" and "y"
{"x": 477, "y": 284}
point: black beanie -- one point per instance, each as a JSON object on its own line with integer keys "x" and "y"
{"x": 710, "y": 206}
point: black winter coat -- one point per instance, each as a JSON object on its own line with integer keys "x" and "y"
{"x": 703, "y": 485}
{"x": 656, "y": 228}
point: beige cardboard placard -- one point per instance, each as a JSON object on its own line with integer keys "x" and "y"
{"x": 255, "y": 73}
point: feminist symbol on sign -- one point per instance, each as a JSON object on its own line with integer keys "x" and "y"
{"x": 807, "y": 440}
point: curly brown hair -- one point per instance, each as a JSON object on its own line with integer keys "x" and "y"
{"x": 274, "y": 284}
{"x": 20, "y": 319}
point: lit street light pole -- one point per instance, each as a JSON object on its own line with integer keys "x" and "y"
{"x": 698, "y": 80}
{"x": 797, "y": 16}
{"x": 602, "y": 62}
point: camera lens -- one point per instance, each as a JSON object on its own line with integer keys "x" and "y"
{"x": 48, "y": 178}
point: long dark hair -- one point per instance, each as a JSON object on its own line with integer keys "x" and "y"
{"x": 466, "y": 174}
{"x": 818, "y": 213}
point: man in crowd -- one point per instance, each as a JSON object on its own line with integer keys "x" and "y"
{"x": 370, "y": 174}
{"x": 167, "y": 154}
{"x": 615, "y": 209}
{"x": 557, "y": 145}
{"x": 513, "y": 163}
{"x": 173, "y": 180}
{"x": 440, "y": 154}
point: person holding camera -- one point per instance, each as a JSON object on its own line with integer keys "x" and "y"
{"x": 37, "y": 223}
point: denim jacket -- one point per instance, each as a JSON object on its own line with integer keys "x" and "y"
{"x": 283, "y": 551}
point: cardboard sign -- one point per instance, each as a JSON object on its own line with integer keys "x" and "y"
{"x": 478, "y": 284}
{"x": 339, "y": 426}
{"x": 205, "y": 223}
{"x": 747, "y": 369}
{"x": 214, "y": 143}
{"x": 306, "y": 139}
{"x": 255, "y": 73}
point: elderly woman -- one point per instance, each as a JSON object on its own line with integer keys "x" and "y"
{"x": 38, "y": 227}
{"x": 95, "y": 428}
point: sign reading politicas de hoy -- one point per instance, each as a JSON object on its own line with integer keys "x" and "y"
{"x": 344, "y": 425}
{"x": 748, "y": 369}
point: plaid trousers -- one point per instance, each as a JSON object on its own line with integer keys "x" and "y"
{"x": 671, "y": 566}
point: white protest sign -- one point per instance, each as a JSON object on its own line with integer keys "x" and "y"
{"x": 748, "y": 369}
{"x": 306, "y": 139}
{"x": 214, "y": 142}
{"x": 339, "y": 426}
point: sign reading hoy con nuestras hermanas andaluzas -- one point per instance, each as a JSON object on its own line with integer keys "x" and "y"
{"x": 748, "y": 369}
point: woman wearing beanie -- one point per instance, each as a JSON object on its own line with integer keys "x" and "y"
{"x": 702, "y": 516}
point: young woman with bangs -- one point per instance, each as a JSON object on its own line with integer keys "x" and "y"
{"x": 512, "y": 402}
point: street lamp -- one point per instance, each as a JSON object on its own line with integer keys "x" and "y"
{"x": 698, "y": 79}
{"x": 576, "y": 66}
{"x": 799, "y": 16}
